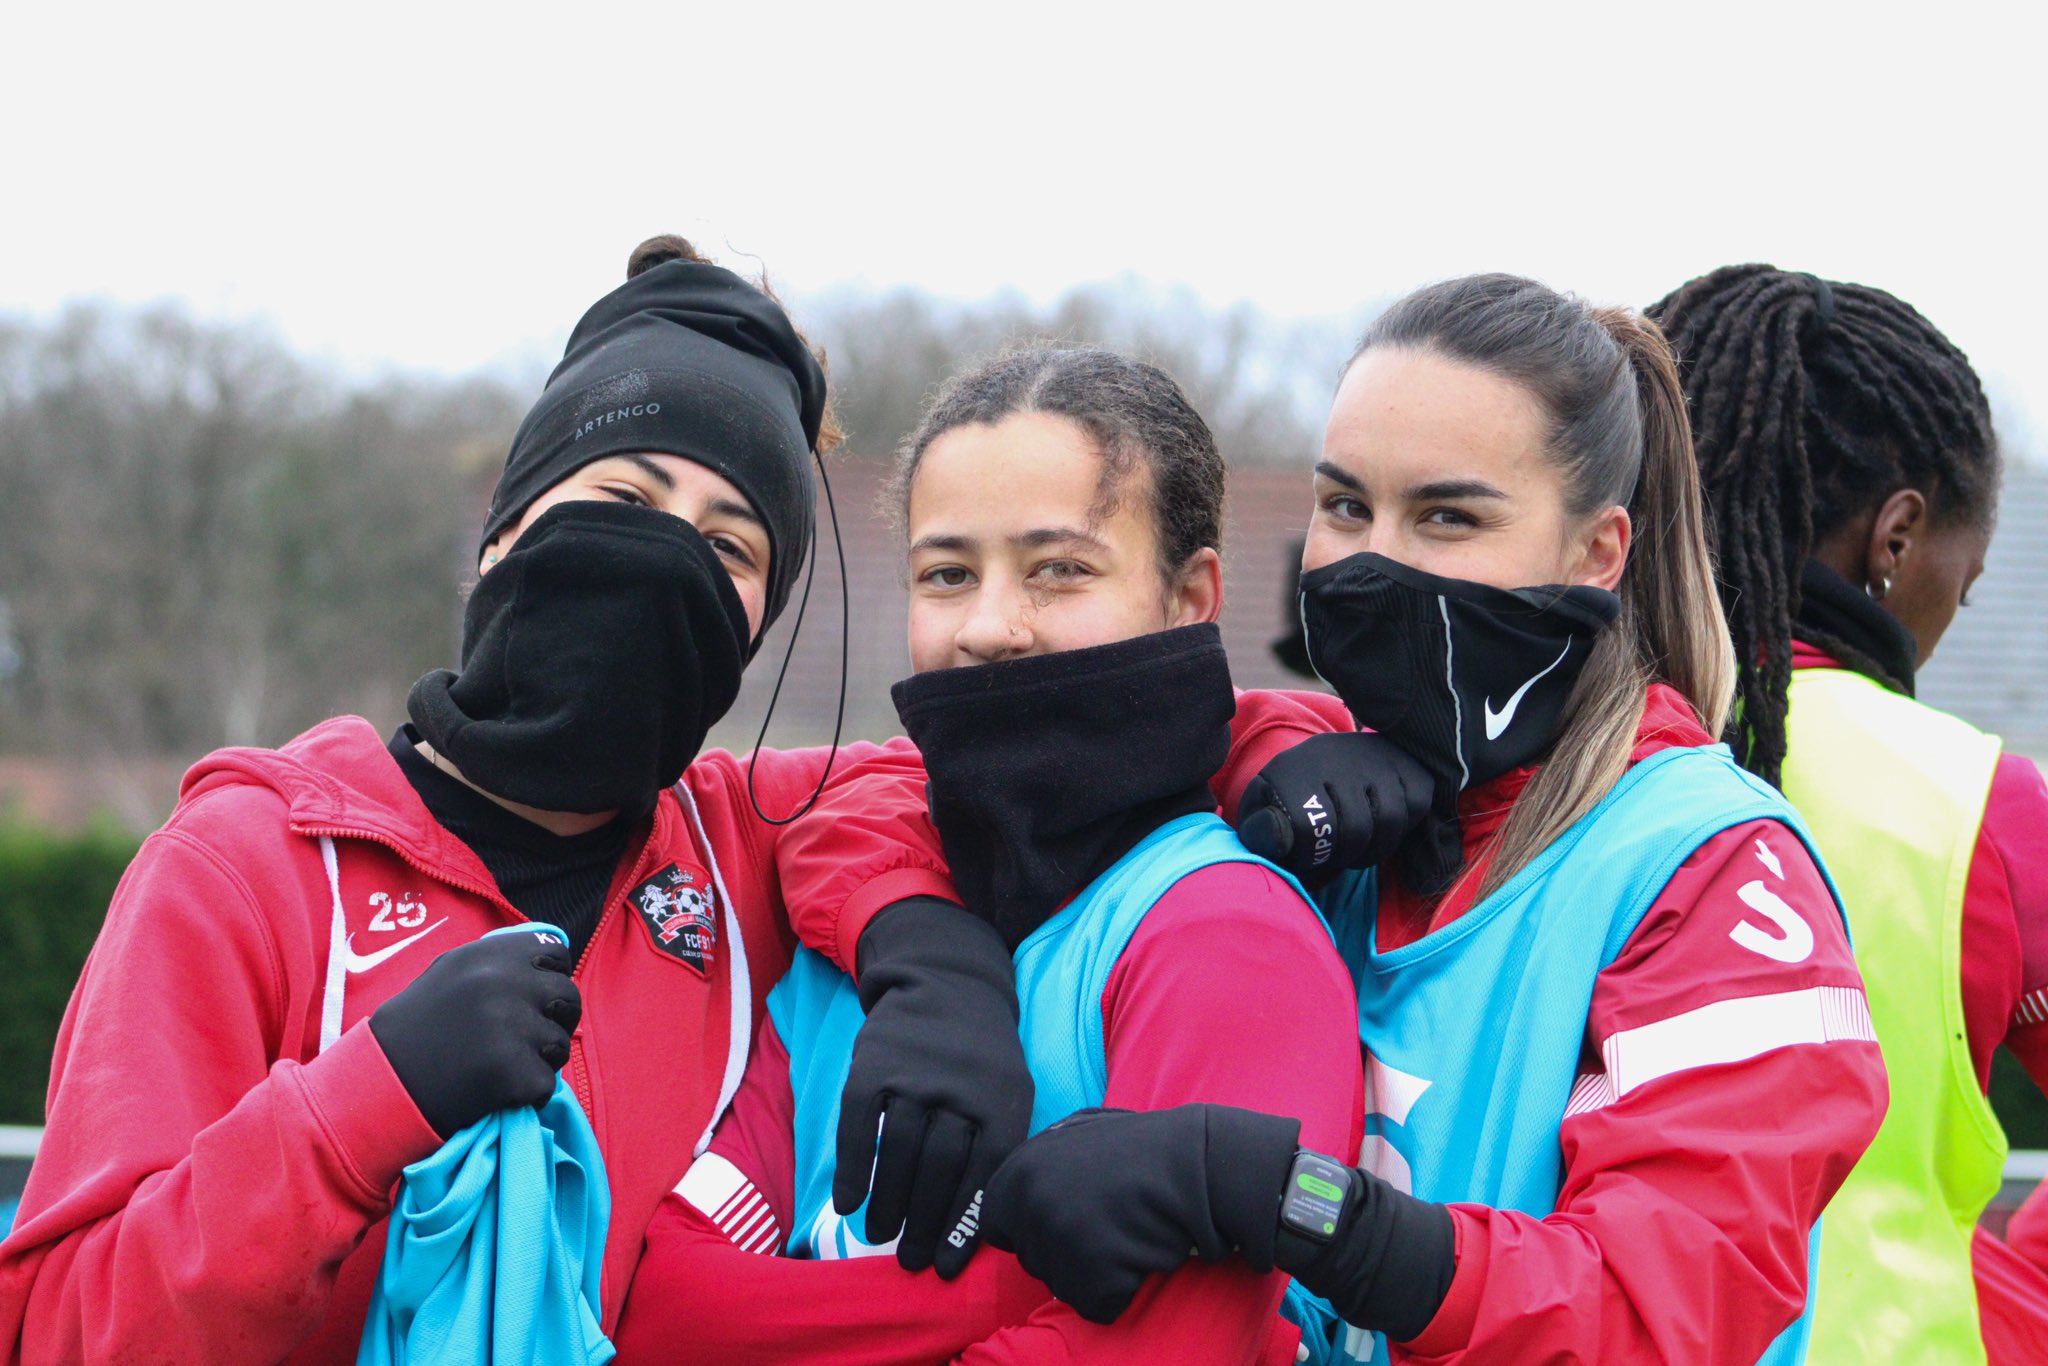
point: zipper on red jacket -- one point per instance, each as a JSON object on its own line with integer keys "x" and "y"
{"x": 579, "y": 1062}
{"x": 490, "y": 894}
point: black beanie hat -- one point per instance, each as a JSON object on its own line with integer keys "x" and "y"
{"x": 684, "y": 359}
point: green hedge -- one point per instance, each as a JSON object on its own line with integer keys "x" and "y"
{"x": 54, "y": 889}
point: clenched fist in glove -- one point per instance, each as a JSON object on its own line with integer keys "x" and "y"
{"x": 1332, "y": 802}
{"x": 1105, "y": 1198}
{"x": 483, "y": 1029}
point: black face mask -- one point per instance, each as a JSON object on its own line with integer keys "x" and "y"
{"x": 595, "y": 657}
{"x": 1046, "y": 770}
{"x": 1470, "y": 679}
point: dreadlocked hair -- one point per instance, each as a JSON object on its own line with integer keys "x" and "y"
{"x": 1811, "y": 403}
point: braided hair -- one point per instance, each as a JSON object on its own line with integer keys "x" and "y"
{"x": 1811, "y": 403}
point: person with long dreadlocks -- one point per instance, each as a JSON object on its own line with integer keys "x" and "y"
{"x": 1847, "y": 456}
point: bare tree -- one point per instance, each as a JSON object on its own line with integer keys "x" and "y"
{"x": 203, "y": 541}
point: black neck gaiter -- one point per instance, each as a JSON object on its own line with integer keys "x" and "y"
{"x": 1046, "y": 770}
{"x": 595, "y": 657}
{"x": 1836, "y": 616}
{"x": 1470, "y": 679}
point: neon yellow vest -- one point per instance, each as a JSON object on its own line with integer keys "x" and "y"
{"x": 1893, "y": 792}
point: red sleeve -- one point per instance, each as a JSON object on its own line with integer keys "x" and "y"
{"x": 194, "y": 1197}
{"x": 1270, "y": 720}
{"x": 867, "y": 843}
{"x": 698, "y": 1297}
{"x": 1732, "y": 1080}
{"x": 2009, "y": 873}
{"x": 712, "y": 1284}
{"x": 2012, "y": 1302}
{"x": 2027, "y": 1231}
{"x": 1230, "y": 992}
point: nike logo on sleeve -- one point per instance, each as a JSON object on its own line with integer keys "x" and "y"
{"x": 1498, "y": 721}
{"x": 363, "y": 962}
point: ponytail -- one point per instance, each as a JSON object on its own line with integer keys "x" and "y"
{"x": 1680, "y": 634}
{"x": 1619, "y": 435}
{"x": 1670, "y": 630}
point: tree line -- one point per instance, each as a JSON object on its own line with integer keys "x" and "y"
{"x": 209, "y": 539}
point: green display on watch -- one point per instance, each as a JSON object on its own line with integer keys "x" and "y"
{"x": 1316, "y": 1190}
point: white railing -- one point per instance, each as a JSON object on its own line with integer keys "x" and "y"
{"x": 2022, "y": 1164}
{"x": 20, "y": 1140}
{"x": 2026, "y": 1164}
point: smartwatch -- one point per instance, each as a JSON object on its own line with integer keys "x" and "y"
{"x": 1318, "y": 1188}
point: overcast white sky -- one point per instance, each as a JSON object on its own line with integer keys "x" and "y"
{"x": 446, "y": 187}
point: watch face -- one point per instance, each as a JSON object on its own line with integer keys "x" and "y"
{"x": 1316, "y": 1187}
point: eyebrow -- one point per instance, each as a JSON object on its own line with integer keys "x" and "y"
{"x": 652, "y": 471}
{"x": 1455, "y": 488}
{"x": 1057, "y": 535}
{"x": 1439, "y": 488}
{"x": 740, "y": 511}
{"x": 1029, "y": 540}
{"x": 1338, "y": 475}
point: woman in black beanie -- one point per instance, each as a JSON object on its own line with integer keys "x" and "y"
{"x": 293, "y": 998}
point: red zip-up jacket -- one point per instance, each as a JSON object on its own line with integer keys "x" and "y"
{"x": 212, "y": 1184}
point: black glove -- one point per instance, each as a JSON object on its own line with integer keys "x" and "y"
{"x": 484, "y": 1028}
{"x": 1105, "y": 1198}
{"x": 1389, "y": 1264}
{"x": 1337, "y": 801}
{"x": 938, "y": 1065}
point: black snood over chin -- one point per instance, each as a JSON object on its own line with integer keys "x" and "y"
{"x": 595, "y": 656}
{"x": 1046, "y": 770}
{"x": 1470, "y": 679}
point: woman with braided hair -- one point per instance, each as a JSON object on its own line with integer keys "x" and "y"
{"x": 1848, "y": 460}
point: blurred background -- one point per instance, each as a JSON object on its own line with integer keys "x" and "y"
{"x": 278, "y": 283}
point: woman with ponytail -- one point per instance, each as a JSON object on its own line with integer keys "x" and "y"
{"x": 1617, "y": 1053}
{"x": 1852, "y": 477}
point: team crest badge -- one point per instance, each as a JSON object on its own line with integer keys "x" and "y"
{"x": 676, "y": 910}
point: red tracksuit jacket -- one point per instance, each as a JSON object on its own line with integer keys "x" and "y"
{"x": 212, "y": 1186}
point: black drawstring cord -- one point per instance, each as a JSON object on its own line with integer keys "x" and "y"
{"x": 845, "y": 643}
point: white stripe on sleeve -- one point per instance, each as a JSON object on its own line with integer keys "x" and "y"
{"x": 1733, "y": 1031}
{"x": 1590, "y": 1092}
{"x": 2033, "y": 1007}
{"x": 719, "y": 1190}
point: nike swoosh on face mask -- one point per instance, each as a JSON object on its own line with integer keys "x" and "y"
{"x": 363, "y": 962}
{"x": 1498, "y": 721}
